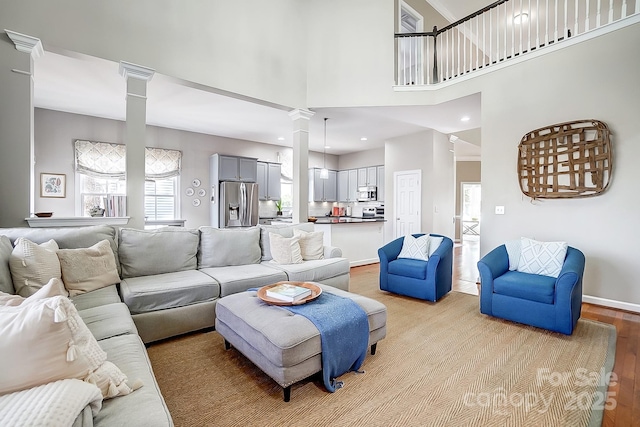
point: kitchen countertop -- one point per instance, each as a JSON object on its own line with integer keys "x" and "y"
{"x": 347, "y": 220}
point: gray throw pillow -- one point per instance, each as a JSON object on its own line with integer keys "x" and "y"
{"x": 166, "y": 250}
{"x": 6, "y": 283}
{"x": 220, "y": 247}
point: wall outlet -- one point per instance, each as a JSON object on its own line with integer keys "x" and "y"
{"x": 499, "y": 210}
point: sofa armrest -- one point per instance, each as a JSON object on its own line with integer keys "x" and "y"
{"x": 492, "y": 265}
{"x": 332, "y": 252}
{"x": 568, "y": 297}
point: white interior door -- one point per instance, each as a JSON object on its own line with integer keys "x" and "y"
{"x": 407, "y": 186}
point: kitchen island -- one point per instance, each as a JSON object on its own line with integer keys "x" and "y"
{"x": 359, "y": 238}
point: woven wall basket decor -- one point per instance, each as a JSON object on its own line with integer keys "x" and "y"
{"x": 572, "y": 159}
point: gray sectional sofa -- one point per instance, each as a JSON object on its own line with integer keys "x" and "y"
{"x": 171, "y": 279}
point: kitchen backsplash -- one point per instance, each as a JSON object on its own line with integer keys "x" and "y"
{"x": 267, "y": 209}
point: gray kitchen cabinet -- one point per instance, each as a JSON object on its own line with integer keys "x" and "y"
{"x": 268, "y": 181}
{"x": 380, "y": 183}
{"x": 367, "y": 176}
{"x": 343, "y": 186}
{"x": 232, "y": 168}
{"x": 323, "y": 190}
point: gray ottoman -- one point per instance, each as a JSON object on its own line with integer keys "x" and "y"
{"x": 284, "y": 345}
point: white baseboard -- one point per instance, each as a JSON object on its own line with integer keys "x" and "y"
{"x": 611, "y": 303}
{"x": 364, "y": 262}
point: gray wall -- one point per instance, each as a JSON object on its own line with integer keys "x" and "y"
{"x": 55, "y": 132}
{"x": 429, "y": 154}
{"x": 465, "y": 172}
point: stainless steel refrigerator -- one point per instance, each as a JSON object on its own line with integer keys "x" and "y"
{"x": 238, "y": 204}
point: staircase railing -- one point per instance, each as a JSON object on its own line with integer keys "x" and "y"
{"x": 503, "y": 30}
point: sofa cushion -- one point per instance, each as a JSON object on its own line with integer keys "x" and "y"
{"x": 166, "y": 250}
{"x": 283, "y": 230}
{"x": 285, "y": 250}
{"x": 408, "y": 267}
{"x": 158, "y": 292}
{"x": 88, "y": 269}
{"x": 238, "y": 279}
{"x": 221, "y": 247}
{"x": 532, "y": 287}
{"x": 67, "y": 237}
{"x": 6, "y": 282}
{"x": 103, "y": 296}
{"x": 313, "y": 271}
{"x": 311, "y": 243}
{"x": 33, "y": 265}
{"x": 108, "y": 321}
{"x": 144, "y": 407}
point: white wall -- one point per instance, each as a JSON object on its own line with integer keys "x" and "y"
{"x": 361, "y": 159}
{"x": 235, "y": 46}
{"x": 56, "y": 131}
{"x": 429, "y": 154}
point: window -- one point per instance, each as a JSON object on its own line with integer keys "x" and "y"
{"x": 160, "y": 199}
{"x": 100, "y": 172}
{"x": 94, "y": 191}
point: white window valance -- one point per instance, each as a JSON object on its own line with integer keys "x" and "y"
{"x": 107, "y": 160}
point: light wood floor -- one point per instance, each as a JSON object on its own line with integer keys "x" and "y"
{"x": 626, "y": 391}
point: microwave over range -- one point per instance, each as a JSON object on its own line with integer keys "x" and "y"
{"x": 367, "y": 194}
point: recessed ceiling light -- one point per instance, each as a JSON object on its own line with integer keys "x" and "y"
{"x": 281, "y": 138}
{"x": 521, "y": 18}
{"x": 364, "y": 138}
{"x": 327, "y": 146}
{"x": 465, "y": 119}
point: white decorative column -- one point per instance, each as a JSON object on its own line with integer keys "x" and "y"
{"x": 18, "y": 189}
{"x": 137, "y": 77}
{"x": 300, "y": 164}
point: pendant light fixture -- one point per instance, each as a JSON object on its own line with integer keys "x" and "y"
{"x": 324, "y": 173}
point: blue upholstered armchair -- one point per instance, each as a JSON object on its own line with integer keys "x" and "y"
{"x": 533, "y": 299}
{"x": 428, "y": 280}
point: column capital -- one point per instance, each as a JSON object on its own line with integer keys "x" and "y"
{"x": 26, "y": 44}
{"x": 299, "y": 113}
{"x": 127, "y": 69}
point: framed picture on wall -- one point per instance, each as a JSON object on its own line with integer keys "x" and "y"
{"x": 53, "y": 185}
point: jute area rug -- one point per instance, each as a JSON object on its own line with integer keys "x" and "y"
{"x": 441, "y": 364}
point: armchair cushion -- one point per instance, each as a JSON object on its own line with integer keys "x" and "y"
{"x": 533, "y": 287}
{"x": 409, "y": 267}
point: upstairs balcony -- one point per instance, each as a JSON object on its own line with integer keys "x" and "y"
{"x": 501, "y": 33}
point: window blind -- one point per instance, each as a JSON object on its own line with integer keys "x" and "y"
{"x": 108, "y": 160}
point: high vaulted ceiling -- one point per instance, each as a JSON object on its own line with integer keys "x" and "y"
{"x": 92, "y": 86}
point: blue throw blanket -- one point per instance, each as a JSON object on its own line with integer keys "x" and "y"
{"x": 344, "y": 334}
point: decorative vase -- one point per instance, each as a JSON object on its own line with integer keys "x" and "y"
{"x": 279, "y": 213}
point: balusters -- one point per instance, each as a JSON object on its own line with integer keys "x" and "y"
{"x": 575, "y": 12}
{"x": 565, "y": 30}
{"x": 529, "y": 28}
{"x": 478, "y": 41}
{"x": 546, "y": 22}
{"x": 598, "y": 15}
{"x": 506, "y": 25}
{"x": 427, "y": 68}
{"x": 610, "y": 12}
{"x": 538, "y": 24}
{"x": 586, "y": 13}
{"x": 555, "y": 31}
{"x": 458, "y": 34}
{"x": 623, "y": 12}
{"x": 520, "y": 46}
{"x": 513, "y": 30}
{"x": 484, "y": 39}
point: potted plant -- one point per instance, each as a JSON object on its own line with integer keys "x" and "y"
{"x": 279, "y": 207}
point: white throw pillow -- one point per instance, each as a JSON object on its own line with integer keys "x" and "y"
{"x": 415, "y": 247}
{"x": 88, "y": 269}
{"x": 45, "y": 340}
{"x": 434, "y": 243}
{"x": 513, "y": 252}
{"x": 54, "y": 288}
{"x": 284, "y": 250}
{"x": 311, "y": 244}
{"x": 544, "y": 258}
{"x": 33, "y": 265}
